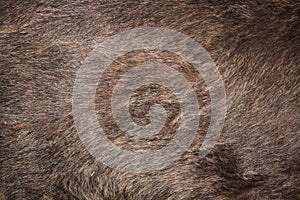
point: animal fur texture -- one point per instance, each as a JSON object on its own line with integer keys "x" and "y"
{"x": 255, "y": 45}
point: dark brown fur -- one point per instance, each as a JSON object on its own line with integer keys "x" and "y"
{"x": 255, "y": 45}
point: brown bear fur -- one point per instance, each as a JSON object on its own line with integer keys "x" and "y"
{"x": 255, "y": 45}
